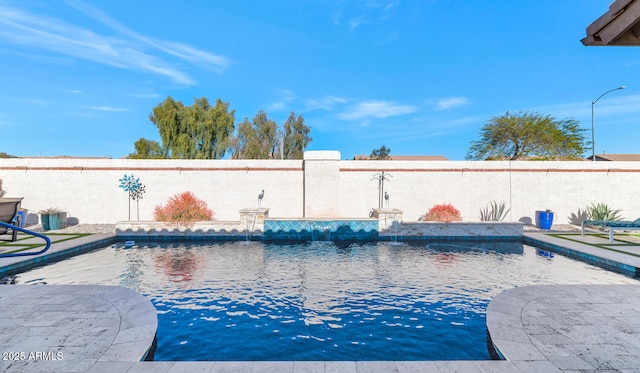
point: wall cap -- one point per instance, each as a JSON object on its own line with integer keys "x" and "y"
{"x": 322, "y": 155}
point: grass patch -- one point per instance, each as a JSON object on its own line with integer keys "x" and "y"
{"x": 23, "y": 237}
{"x": 604, "y": 246}
{"x": 21, "y": 249}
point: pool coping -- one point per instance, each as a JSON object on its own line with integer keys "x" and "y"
{"x": 585, "y": 252}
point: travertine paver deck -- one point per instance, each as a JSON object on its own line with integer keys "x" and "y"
{"x": 68, "y": 328}
{"x": 586, "y": 328}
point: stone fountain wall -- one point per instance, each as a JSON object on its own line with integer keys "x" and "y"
{"x": 255, "y": 224}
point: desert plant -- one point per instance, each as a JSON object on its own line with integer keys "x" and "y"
{"x": 183, "y": 209}
{"x": 50, "y": 211}
{"x": 494, "y": 212}
{"x": 601, "y": 211}
{"x": 443, "y": 213}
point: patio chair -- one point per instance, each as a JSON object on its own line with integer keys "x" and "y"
{"x": 612, "y": 225}
{"x": 9, "y": 208}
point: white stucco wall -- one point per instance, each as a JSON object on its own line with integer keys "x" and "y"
{"x": 87, "y": 189}
{"x": 470, "y": 185}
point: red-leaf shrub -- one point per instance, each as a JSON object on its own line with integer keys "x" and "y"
{"x": 443, "y": 213}
{"x": 183, "y": 208}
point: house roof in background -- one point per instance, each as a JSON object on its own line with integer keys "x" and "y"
{"x": 617, "y": 157}
{"x": 618, "y": 26}
{"x": 405, "y": 158}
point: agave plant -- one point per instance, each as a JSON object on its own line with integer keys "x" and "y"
{"x": 601, "y": 211}
{"x": 494, "y": 212}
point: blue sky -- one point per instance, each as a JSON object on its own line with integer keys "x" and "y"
{"x": 422, "y": 77}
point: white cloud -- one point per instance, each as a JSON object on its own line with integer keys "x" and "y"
{"x": 376, "y": 109}
{"x": 179, "y": 50}
{"x": 286, "y": 97}
{"x": 324, "y": 103}
{"x": 357, "y": 22}
{"x": 451, "y": 102}
{"x": 107, "y": 108}
{"x": 145, "y": 95}
{"x": 611, "y": 106}
{"x": 422, "y": 128}
{"x": 364, "y": 12}
{"x": 129, "y": 50}
{"x": 278, "y": 106}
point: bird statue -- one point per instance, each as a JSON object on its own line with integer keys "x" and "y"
{"x": 260, "y": 196}
{"x": 386, "y": 198}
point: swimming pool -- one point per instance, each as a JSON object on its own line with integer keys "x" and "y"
{"x": 320, "y": 300}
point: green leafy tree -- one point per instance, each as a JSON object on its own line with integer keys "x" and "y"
{"x": 243, "y": 140}
{"x": 528, "y": 134}
{"x": 167, "y": 117}
{"x": 295, "y": 137}
{"x": 200, "y": 131}
{"x": 5, "y": 155}
{"x": 147, "y": 149}
{"x": 381, "y": 153}
{"x": 256, "y": 139}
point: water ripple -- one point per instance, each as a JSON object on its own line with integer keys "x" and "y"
{"x": 320, "y": 301}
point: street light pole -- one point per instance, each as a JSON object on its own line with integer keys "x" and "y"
{"x": 593, "y": 122}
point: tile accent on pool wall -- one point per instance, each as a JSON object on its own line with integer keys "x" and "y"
{"x": 345, "y": 230}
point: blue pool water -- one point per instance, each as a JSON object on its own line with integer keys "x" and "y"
{"x": 321, "y": 300}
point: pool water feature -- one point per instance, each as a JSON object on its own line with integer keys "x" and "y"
{"x": 282, "y": 230}
{"x": 320, "y": 300}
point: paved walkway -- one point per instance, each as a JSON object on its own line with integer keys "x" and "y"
{"x": 71, "y": 328}
{"x": 579, "y": 328}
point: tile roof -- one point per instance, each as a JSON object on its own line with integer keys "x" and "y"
{"x": 620, "y": 25}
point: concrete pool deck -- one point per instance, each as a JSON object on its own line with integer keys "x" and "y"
{"x": 555, "y": 328}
